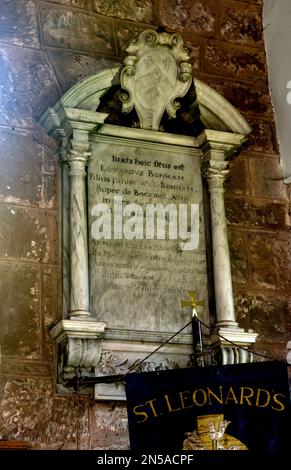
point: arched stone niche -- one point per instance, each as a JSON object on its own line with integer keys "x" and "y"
{"x": 121, "y": 296}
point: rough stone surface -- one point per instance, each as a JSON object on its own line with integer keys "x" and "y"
{"x": 238, "y": 180}
{"x": 109, "y": 425}
{"x": 20, "y": 167}
{"x": 238, "y": 62}
{"x": 271, "y": 351}
{"x": 288, "y": 189}
{"x": 50, "y": 172}
{"x": 71, "y": 67}
{"x": 50, "y": 306}
{"x": 266, "y": 178}
{"x": 270, "y": 315}
{"x": 194, "y": 50}
{"x": 20, "y": 320}
{"x": 27, "y": 84}
{"x": 2, "y": 385}
{"x": 21, "y": 366}
{"x": 125, "y": 32}
{"x": 135, "y": 10}
{"x": 188, "y": 15}
{"x": 50, "y": 154}
{"x": 255, "y": 100}
{"x": 239, "y": 266}
{"x": 50, "y": 191}
{"x": 28, "y": 234}
{"x": 29, "y": 411}
{"x": 18, "y": 23}
{"x": 241, "y": 25}
{"x": 76, "y": 30}
{"x": 269, "y": 260}
{"x": 257, "y": 214}
{"x": 261, "y": 139}
{"x": 24, "y": 177}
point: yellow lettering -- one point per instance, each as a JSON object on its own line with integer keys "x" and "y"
{"x": 282, "y": 406}
{"x": 203, "y": 394}
{"x": 217, "y": 398}
{"x": 184, "y": 407}
{"x": 140, "y": 413}
{"x": 171, "y": 410}
{"x": 150, "y": 402}
{"x": 244, "y": 396}
{"x": 259, "y": 394}
{"x": 231, "y": 396}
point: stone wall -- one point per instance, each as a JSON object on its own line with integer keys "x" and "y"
{"x": 46, "y": 47}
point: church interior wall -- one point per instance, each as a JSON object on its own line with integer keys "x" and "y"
{"x": 45, "y": 48}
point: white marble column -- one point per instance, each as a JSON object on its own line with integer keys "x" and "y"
{"x": 78, "y": 333}
{"x": 232, "y": 340}
{"x": 64, "y": 225}
{"x": 215, "y": 172}
{"x": 77, "y": 160}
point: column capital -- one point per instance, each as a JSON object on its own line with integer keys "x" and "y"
{"x": 216, "y": 148}
{"x": 215, "y": 172}
{"x": 217, "y": 145}
{"x": 77, "y": 162}
{"x": 79, "y": 154}
{"x": 75, "y": 146}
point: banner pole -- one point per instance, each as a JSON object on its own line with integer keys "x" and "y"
{"x": 197, "y": 340}
{"x": 197, "y": 357}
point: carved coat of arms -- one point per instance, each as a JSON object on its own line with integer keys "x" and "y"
{"x": 156, "y": 72}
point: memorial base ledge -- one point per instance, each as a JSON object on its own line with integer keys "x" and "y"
{"x": 78, "y": 343}
{"x": 233, "y": 343}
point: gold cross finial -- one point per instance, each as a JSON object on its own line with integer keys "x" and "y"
{"x": 193, "y": 302}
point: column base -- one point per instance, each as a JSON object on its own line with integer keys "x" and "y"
{"x": 82, "y": 314}
{"x": 227, "y": 324}
{"x": 233, "y": 343}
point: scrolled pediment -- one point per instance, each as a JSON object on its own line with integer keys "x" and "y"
{"x": 215, "y": 112}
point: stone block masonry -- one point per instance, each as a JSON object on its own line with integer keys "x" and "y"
{"x": 45, "y": 48}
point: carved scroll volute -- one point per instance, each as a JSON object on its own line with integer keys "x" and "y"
{"x": 156, "y": 72}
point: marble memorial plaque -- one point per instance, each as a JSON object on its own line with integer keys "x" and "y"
{"x": 137, "y": 284}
